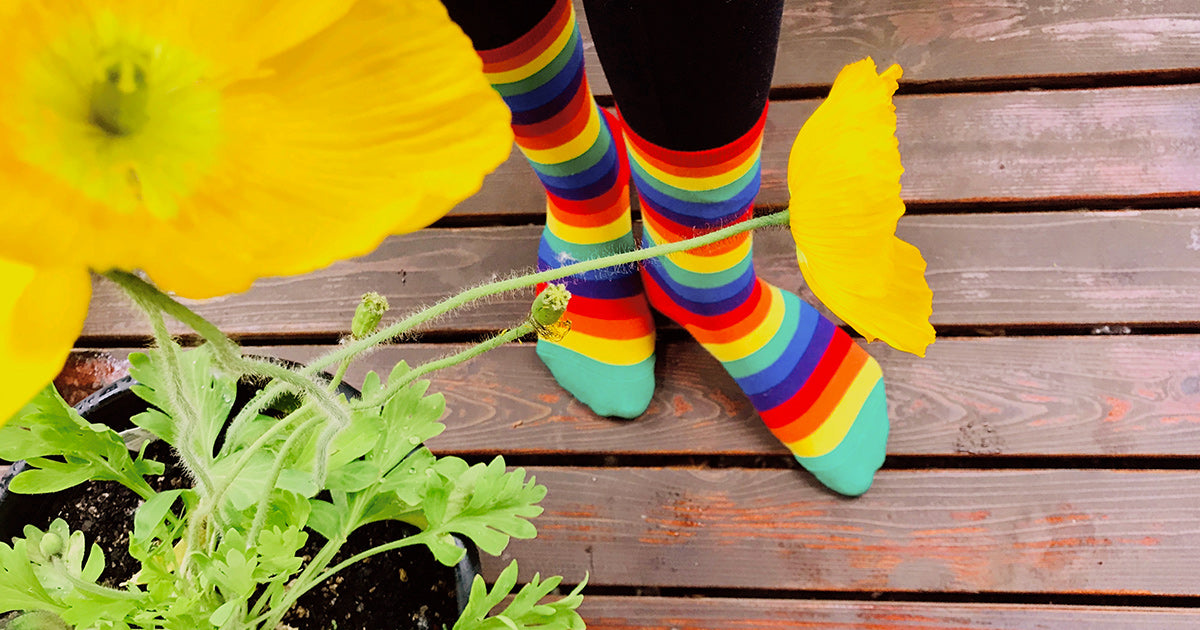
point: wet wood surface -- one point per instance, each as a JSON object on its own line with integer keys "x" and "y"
{"x": 1021, "y": 531}
{"x": 1097, "y": 396}
{"x": 1084, "y": 146}
{"x": 995, "y": 269}
{"x": 1044, "y": 458}
{"x": 664, "y": 613}
{"x": 987, "y": 39}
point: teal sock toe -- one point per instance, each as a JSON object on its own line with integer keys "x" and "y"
{"x": 850, "y": 467}
{"x": 621, "y": 391}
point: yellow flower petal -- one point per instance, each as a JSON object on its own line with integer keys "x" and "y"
{"x": 844, "y": 179}
{"x": 41, "y": 314}
{"x": 355, "y": 125}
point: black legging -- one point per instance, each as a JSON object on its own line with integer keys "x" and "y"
{"x": 687, "y": 75}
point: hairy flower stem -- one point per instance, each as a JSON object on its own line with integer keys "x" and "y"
{"x": 264, "y": 501}
{"x": 454, "y": 359}
{"x": 177, "y": 394}
{"x": 513, "y": 284}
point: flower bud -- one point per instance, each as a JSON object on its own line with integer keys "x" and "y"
{"x": 368, "y": 314}
{"x": 51, "y": 544}
{"x": 550, "y": 305}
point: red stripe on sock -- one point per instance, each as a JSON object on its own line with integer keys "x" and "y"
{"x": 688, "y": 160}
{"x": 674, "y": 232}
{"x": 797, "y": 418}
{"x": 527, "y": 47}
{"x": 692, "y": 321}
{"x": 611, "y": 328}
{"x": 739, "y": 328}
{"x": 574, "y": 115}
{"x": 595, "y": 218}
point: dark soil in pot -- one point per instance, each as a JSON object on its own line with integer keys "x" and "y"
{"x": 404, "y": 588}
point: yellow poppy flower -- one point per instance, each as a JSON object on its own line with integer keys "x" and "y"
{"x": 844, "y": 179}
{"x": 212, "y": 143}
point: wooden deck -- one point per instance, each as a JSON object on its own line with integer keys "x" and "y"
{"x": 1044, "y": 466}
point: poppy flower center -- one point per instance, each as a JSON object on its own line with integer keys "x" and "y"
{"x": 119, "y": 97}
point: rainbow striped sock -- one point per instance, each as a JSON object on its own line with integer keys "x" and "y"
{"x": 607, "y": 359}
{"x": 816, "y": 390}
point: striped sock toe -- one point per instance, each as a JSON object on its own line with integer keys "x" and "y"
{"x": 817, "y": 391}
{"x": 607, "y": 359}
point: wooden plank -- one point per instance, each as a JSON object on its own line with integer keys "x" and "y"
{"x": 1037, "y": 396}
{"x": 986, "y": 39}
{"x": 985, "y": 270}
{"x": 1006, "y": 146}
{"x": 693, "y": 613}
{"x": 1052, "y": 396}
{"x": 1037, "y": 531}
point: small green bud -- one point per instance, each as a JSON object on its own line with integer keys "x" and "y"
{"x": 51, "y": 544}
{"x": 368, "y": 314}
{"x": 550, "y": 305}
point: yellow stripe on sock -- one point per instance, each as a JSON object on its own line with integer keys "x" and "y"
{"x": 588, "y": 235}
{"x": 695, "y": 183}
{"x": 610, "y": 351}
{"x": 702, "y": 264}
{"x": 570, "y": 149}
{"x": 756, "y": 339}
{"x": 539, "y": 62}
{"x": 834, "y": 429}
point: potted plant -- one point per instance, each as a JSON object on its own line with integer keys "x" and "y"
{"x": 277, "y": 492}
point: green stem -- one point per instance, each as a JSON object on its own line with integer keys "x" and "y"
{"x": 454, "y": 359}
{"x": 550, "y": 275}
{"x": 415, "y": 539}
{"x": 177, "y": 395}
{"x": 339, "y": 375}
{"x": 264, "y": 501}
{"x": 349, "y": 350}
{"x": 227, "y": 351}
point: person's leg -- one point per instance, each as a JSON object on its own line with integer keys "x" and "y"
{"x": 690, "y": 78}
{"x": 533, "y": 56}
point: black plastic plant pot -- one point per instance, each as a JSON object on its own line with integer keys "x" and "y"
{"x": 368, "y": 594}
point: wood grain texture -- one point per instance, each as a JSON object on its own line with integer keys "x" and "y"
{"x": 985, "y": 39}
{"x": 1061, "y": 531}
{"x": 1003, "y": 146}
{"x": 985, "y": 270}
{"x": 1052, "y": 396}
{"x": 663, "y": 613}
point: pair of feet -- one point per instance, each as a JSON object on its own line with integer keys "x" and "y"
{"x": 819, "y": 393}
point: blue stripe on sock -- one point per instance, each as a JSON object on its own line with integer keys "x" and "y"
{"x": 589, "y": 184}
{"x": 699, "y": 215}
{"x": 550, "y": 108}
{"x": 787, "y": 375}
{"x": 707, "y": 309}
{"x": 797, "y": 316}
{"x": 546, "y": 92}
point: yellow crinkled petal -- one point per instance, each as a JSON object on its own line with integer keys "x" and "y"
{"x": 376, "y": 123}
{"x": 380, "y": 124}
{"x": 844, "y": 179}
{"x": 41, "y": 314}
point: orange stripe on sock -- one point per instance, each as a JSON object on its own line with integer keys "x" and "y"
{"x": 739, "y": 328}
{"x": 674, "y": 233}
{"x": 719, "y": 156}
{"x": 605, "y": 213}
{"x": 828, "y": 399}
{"x": 800, "y": 402}
{"x": 527, "y": 47}
{"x": 611, "y": 328}
{"x": 699, "y": 172}
{"x": 559, "y": 128}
